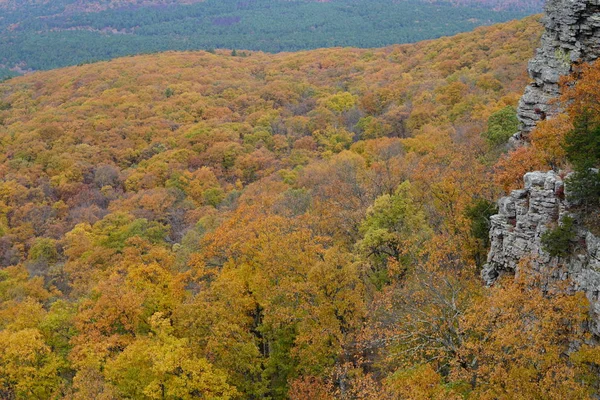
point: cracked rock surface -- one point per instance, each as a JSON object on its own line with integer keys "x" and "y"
{"x": 516, "y": 233}
{"x": 572, "y": 35}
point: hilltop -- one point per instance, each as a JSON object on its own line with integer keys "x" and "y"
{"x": 102, "y": 5}
{"x": 41, "y": 35}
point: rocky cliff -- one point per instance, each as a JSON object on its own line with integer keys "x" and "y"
{"x": 516, "y": 245}
{"x": 572, "y": 35}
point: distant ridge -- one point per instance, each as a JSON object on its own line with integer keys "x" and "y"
{"x": 42, "y": 34}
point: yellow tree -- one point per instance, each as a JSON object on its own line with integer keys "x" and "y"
{"x": 162, "y": 366}
{"x": 28, "y": 368}
{"x": 518, "y": 341}
{"x": 279, "y": 303}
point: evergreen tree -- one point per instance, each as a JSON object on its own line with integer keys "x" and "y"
{"x": 583, "y": 151}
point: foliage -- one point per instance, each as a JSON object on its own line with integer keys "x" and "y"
{"x": 28, "y": 367}
{"x": 568, "y": 141}
{"x": 44, "y": 35}
{"x": 548, "y": 139}
{"x": 501, "y": 126}
{"x": 394, "y": 231}
{"x": 583, "y": 151}
{"x": 479, "y": 212}
{"x": 558, "y": 242}
{"x": 506, "y": 342}
{"x": 584, "y": 188}
{"x": 421, "y": 382}
{"x": 516, "y": 319}
{"x": 583, "y": 142}
{"x": 511, "y": 167}
{"x": 230, "y": 237}
{"x": 163, "y": 367}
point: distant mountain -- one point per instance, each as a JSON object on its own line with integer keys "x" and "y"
{"x": 44, "y": 34}
{"x": 89, "y": 5}
{"x": 529, "y": 5}
{"x": 100, "y": 5}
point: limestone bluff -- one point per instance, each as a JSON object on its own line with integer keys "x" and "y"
{"x": 571, "y": 37}
{"x": 516, "y": 236}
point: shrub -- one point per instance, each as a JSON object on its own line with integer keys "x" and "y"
{"x": 584, "y": 188}
{"x": 558, "y": 242}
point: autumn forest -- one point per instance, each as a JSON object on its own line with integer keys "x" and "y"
{"x": 309, "y": 225}
{"x": 41, "y": 34}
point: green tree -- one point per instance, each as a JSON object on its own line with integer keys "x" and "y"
{"x": 479, "y": 213}
{"x": 393, "y": 229}
{"x": 558, "y": 242}
{"x": 583, "y": 151}
{"x": 341, "y": 102}
{"x": 501, "y": 126}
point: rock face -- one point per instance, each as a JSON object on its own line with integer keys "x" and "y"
{"x": 572, "y": 35}
{"x": 516, "y": 233}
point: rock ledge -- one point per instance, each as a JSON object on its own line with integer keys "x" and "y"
{"x": 516, "y": 233}
{"x": 572, "y": 35}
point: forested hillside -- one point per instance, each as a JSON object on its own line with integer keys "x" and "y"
{"x": 101, "y": 5}
{"x": 39, "y": 35}
{"x": 526, "y": 5}
{"x": 302, "y": 226}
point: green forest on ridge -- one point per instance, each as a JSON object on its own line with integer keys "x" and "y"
{"x": 44, "y": 35}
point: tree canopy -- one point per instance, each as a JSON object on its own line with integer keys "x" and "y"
{"x": 270, "y": 226}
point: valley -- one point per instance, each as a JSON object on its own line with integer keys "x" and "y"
{"x": 301, "y": 225}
